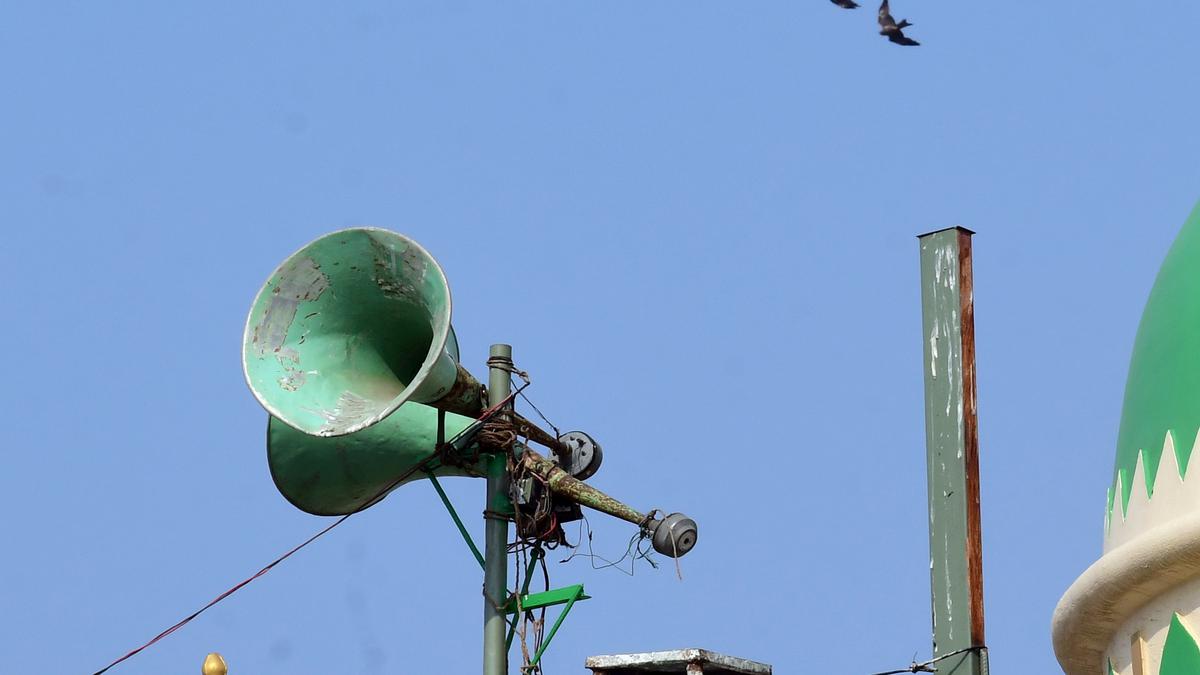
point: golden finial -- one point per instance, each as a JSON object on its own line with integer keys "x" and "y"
{"x": 214, "y": 665}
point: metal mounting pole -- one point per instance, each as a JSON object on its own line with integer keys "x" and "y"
{"x": 952, "y": 451}
{"x": 495, "y": 538}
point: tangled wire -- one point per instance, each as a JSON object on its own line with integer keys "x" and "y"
{"x": 927, "y": 666}
{"x": 538, "y": 517}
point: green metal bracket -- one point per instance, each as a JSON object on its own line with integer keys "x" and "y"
{"x": 462, "y": 529}
{"x": 567, "y": 596}
{"x": 557, "y": 596}
{"x": 534, "y": 557}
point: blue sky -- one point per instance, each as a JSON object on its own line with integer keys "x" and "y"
{"x": 693, "y": 220}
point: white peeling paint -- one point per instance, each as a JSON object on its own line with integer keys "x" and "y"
{"x": 933, "y": 349}
{"x": 349, "y": 410}
{"x": 300, "y": 281}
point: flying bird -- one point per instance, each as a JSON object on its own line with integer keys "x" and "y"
{"x": 845, "y": 4}
{"x": 892, "y": 30}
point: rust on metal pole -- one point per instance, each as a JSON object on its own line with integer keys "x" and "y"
{"x": 465, "y": 396}
{"x": 966, "y": 303}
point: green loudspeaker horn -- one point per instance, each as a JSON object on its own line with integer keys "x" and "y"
{"x": 335, "y": 476}
{"x": 351, "y": 327}
{"x": 345, "y": 343}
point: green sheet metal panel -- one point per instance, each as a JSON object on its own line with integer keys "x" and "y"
{"x": 956, "y": 569}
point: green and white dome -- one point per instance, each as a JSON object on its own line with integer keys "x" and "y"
{"x": 1136, "y": 611}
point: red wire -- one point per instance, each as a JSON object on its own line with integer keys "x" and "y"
{"x": 227, "y": 593}
{"x": 486, "y": 414}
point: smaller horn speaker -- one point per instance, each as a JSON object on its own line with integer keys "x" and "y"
{"x": 335, "y": 476}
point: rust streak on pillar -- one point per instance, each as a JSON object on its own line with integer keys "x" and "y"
{"x": 966, "y": 315}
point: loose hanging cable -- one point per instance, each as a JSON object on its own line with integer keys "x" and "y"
{"x": 634, "y": 551}
{"x": 226, "y": 594}
{"x": 557, "y": 433}
{"x": 484, "y": 416}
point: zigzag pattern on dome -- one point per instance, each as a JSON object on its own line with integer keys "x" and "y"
{"x": 1147, "y": 453}
{"x": 1153, "y": 497}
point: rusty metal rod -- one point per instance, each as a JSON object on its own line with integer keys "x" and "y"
{"x": 538, "y": 435}
{"x": 465, "y": 397}
{"x": 562, "y": 483}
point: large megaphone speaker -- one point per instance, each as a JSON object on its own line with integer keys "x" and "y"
{"x": 351, "y": 327}
{"x": 349, "y": 348}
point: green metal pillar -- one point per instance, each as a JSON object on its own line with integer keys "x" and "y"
{"x": 495, "y": 538}
{"x": 952, "y": 446}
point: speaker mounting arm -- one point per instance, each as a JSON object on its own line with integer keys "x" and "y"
{"x": 575, "y": 452}
{"x": 673, "y": 535}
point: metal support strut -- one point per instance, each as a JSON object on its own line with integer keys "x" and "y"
{"x": 495, "y": 541}
{"x": 462, "y": 529}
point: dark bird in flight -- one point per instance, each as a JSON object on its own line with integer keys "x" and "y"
{"x": 845, "y": 4}
{"x": 892, "y": 30}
